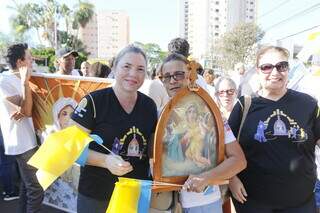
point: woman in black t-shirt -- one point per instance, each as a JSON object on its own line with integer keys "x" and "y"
{"x": 278, "y": 138}
{"x": 125, "y": 119}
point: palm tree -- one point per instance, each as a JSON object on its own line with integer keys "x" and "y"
{"x": 28, "y": 17}
{"x": 66, "y": 13}
{"x": 82, "y": 15}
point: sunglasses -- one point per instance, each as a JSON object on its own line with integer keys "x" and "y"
{"x": 228, "y": 92}
{"x": 177, "y": 76}
{"x": 282, "y": 66}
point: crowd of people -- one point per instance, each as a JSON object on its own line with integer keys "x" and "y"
{"x": 269, "y": 140}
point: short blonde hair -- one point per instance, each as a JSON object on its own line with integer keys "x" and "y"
{"x": 266, "y": 49}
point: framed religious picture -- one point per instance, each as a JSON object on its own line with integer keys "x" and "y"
{"x": 189, "y": 137}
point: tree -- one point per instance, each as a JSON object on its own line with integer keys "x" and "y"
{"x": 4, "y": 44}
{"x": 82, "y": 15}
{"x": 45, "y": 18}
{"x": 39, "y": 17}
{"x": 237, "y": 45}
{"x": 153, "y": 52}
{"x": 47, "y": 54}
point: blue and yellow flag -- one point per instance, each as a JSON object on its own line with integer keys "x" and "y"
{"x": 57, "y": 154}
{"x": 130, "y": 196}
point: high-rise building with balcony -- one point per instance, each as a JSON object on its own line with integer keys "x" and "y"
{"x": 106, "y": 33}
{"x": 202, "y": 22}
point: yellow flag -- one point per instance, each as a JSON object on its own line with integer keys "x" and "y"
{"x": 58, "y": 152}
{"x": 130, "y": 196}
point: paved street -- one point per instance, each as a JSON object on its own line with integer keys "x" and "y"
{"x": 12, "y": 206}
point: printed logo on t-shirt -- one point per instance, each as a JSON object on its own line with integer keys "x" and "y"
{"x": 81, "y": 107}
{"x": 131, "y": 144}
{"x": 283, "y": 126}
{"x": 226, "y": 126}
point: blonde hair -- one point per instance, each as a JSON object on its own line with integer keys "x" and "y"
{"x": 266, "y": 49}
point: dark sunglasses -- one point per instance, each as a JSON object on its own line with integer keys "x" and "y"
{"x": 177, "y": 76}
{"x": 281, "y": 66}
{"x": 228, "y": 92}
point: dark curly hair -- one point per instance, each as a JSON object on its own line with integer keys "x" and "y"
{"x": 171, "y": 57}
{"x": 101, "y": 70}
{"x": 16, "y": 52}
{"x": 180, "y": 46}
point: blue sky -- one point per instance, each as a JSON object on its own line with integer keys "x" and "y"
{"x": 156, "y": 21}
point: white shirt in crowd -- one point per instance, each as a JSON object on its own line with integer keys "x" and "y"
{"x": 18, "y": 136}
{"x": 212, "y": 194}
{"x": 155, "y": 90}
{"x": 75, "y": 72}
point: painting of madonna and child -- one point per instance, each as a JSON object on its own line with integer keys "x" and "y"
{"x": 190, "y": 137}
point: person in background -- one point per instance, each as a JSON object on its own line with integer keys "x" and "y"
{"x": 310, "y": 85}
{"x": 16, "y": 123}
{"x": 155, "y": 90}
{"x": 125, "y": 119}
{"x": 278, "y": 138}
{"x": 237, "y": 75}
{"x": 110, "y": 63}
{"x": 200, "y": 70}
{"x": 153, "y": 74}
{"x": 226, "y": 95}
{"x": 99, "y": 70}
{"x": 181, "y": 46}
{"x": 7, "y": 168}
{"x": 174, "y": 75}
{"x": 85, "y": 68}
{"x": 208, "y": 76}
{"x": 66, "y": 60}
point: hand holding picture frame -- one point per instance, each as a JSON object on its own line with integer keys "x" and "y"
{"x": 189, "y": 137}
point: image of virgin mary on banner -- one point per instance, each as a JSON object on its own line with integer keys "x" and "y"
{"x": 54, "y": 99}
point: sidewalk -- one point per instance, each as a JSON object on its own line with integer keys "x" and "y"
{"x": 12, "y": 206}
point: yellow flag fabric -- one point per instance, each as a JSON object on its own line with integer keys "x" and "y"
{"x": 58, "y": 152}
{"x": 313, "y": 36}
{"x": 130, "y": 196}
{"x": 310, "y": 47}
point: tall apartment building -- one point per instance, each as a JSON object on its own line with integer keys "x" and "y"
{"x": 106, "y": 33}
{"x": 202, "y": 22}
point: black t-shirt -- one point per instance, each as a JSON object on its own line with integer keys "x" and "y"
{"x": 278, "y": 139}
{"x": 125, "y": 134}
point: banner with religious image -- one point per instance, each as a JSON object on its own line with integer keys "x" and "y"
{"x": 54, "y": 99}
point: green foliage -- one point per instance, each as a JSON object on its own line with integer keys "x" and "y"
{"x": 83, "y": 56}
{"x": 41, "y": 17}
{"x": 4, "y": 44}
{"x": 238, "y": 45}
{"x": 83, "y": 13}
{"x": 45, "y": 57}
{"x": 154, "y": 54}
{"x": 71, "y": 41}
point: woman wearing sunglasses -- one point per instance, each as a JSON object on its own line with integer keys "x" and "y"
{"x": 226, "y": 95}
{"x": 278, "y": 138}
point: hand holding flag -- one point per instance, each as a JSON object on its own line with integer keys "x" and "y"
{"x": 58, "y": 152}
